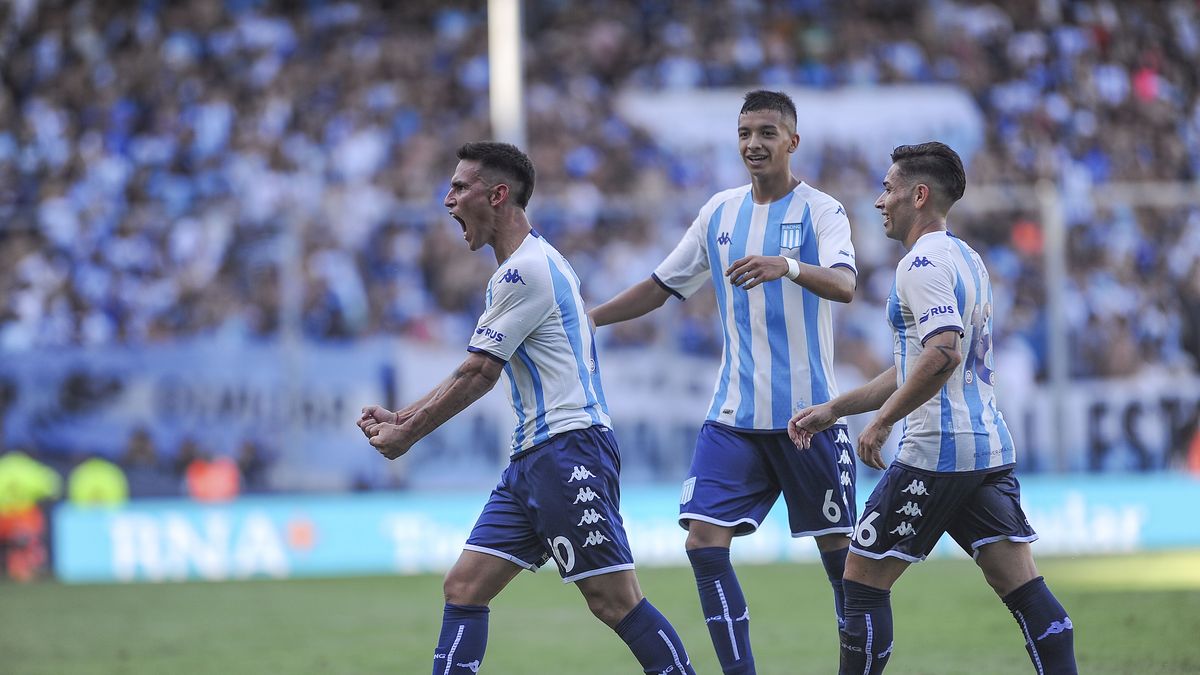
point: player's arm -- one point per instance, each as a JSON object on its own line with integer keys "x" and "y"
{"x": 832, "y": 283}
{"x": 934, "y": 366}
{"x": 637, "y": 300}
{"x": 870, "y": 396}
{"x": 468, "y": 383}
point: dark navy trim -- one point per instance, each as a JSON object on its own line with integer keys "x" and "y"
{"x": 535, "y": 233}
{"x": 927, "y": 472}
{"x": 846, "y": 265}
{"x": 943, "y": 329}
{"x": 485, "y": 352}
{"x": 744, "y": 430}
{"x": 665, "y": 287}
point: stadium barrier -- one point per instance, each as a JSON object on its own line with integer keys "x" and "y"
{"x": 414, "y": 532}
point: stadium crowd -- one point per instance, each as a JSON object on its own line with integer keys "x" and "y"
{"x": 250, "y": 170}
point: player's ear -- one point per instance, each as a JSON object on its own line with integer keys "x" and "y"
{"x": 920, "y": 195}
{"x": 795, "y": 143}
{"x": 499, "y": 194}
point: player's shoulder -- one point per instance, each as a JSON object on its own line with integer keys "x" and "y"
{"x": 930, "y": 252}
{"x": 819, "y": 202}
{"x": 528, "y": 266}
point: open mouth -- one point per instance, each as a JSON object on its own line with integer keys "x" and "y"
{"x": 756, "y": 158}
{"x": 461, "y": 224}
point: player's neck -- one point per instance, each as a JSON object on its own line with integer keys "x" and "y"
{"x": 767, "y": 189}
{"x": 510, "y": 233}
{"x": 923, "y": 228}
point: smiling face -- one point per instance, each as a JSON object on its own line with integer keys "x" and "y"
{"x": 896, "y": 205}
{"x": 469, "y": 202}
{"x": 766, "y": 142}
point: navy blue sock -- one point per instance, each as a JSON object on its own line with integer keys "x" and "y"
{"x": 867, "y": 634}
{"x": 725, "y": 611}
{"x": 835, "y": 566}
{"x": 1049, "y": 634}
{"x": 653, "y": 641}
{"x": 463, "y": 640}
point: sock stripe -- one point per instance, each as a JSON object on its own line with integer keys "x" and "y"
{"x": 728, "y": 621}
{"x": 870, "y": 647}
{"x": 450, "y": 654}
{"x": 674, "y": 652}
{"x": 1037, "y": 659}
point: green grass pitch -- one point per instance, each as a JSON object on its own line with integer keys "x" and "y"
{"x": 1133, "y": 615}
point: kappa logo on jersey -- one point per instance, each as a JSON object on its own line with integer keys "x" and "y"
{"x": 935, "y": 311}
{"x": 580, "y": 473}
{"x": 724, "y": 239}
{"x": 1057, "y": 627}
{"x": 840, "y": 210}
{"x": 512, "y": 276}
{"x": 921, "y": 261}
{"x": 488, "y": 332}
{"x": 848, "y": 254}
{"x": 590, "y": 517}
{"x": 917, "y": 488}
{"x": 586, "y": 494}
{"x": 904, "y": 529}
{"x": 595, "y": 538}
{"x": 910, "y": 509}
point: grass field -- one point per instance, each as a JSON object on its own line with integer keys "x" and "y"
{"x": 1134, "y": 615}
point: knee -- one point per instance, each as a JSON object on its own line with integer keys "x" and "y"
{"x": 610, "y": 609}
{"x": 707, "y": 535}
{"x": 461, "y": 589}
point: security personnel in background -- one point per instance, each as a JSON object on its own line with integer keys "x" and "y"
{"x": 24, "y": 483}
{"x": 97, "y": 482}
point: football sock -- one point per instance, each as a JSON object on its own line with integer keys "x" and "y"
{"x": 867, "y": 633}
{"x": 653, "y": 641}
{"x": 724, "y": 606}
{"x": 835, "y": 566}
{"x": 1049, "y": 635}
{"x": 462, "y": 642}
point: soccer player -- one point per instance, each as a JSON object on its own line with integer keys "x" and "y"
{"x": 778, "y": 251}
{"x": 954, "y": 468}
{"x": 559, "y": 495}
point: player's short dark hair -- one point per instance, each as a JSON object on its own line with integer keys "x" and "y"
{"x": 761, "y": 99}
{"x": 935, "y": 162}
{"x": 504, "y": 159}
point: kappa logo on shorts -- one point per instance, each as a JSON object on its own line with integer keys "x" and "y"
{"x": 845, "y": 478}
{"x": 910, "y": 509}
{"x": 590, "y": 517}
{"x": 844, "y": 458}
{"x": 841, "y": 437}
{"x": 580, "y": 473}
{"x": 595, "y": 538}
{"x": 917, "y": 488}
{"x": 586, "y": 494}
{"x": 904, "y": 529}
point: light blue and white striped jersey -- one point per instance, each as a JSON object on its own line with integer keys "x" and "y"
{"x": 536, "y": 324}
{"x": 939, "y": 283}
{"x": 778, "y": 353}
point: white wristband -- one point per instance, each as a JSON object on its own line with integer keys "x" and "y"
{"x": 793, "y": 268}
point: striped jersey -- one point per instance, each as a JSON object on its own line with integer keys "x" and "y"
{"x": 942, "y": 285}
{"x": 778, "y": 354}
{"x": 535, "y": 323}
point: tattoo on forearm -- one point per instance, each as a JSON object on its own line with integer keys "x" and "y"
{"x": 947, "y": 364}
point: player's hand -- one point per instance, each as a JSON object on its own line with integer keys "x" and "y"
{"x": 809, "y": 422}
{"x": 390, "y": 440}
{"x": 374, "y": 415}
{"x": 870, "y": 442}
{"x": 753, "y": 270}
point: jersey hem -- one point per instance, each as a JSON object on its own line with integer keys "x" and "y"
{"x": 665, "y": 287}
{"x": 477, "y": 350}
{"x": 939, "y": 331}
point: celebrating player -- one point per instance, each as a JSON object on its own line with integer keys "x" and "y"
{"x": 559, "y": 495}
{"x": 778, "y": 250}
{"x": 954, "y": 469}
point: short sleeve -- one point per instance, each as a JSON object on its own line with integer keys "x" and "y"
{"x": 834, "y": 246}
{"x": 925, "y": 285}
{"x": 686, "y": 268}
{"x": 521, "y": 300}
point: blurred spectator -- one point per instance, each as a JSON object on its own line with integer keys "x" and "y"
{"x": 212, "y": 479}
{"x": 24, "y": 484}
{"x": 145, "y": 470}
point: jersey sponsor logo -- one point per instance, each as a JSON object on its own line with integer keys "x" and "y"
{"x": 580, "y": 473}
{"x": 590, "y": 517}
{"x": 490, "y": 333}
{"x": 917, "y": 487}
{"x": 904, "y": 529}
{"x": 910, "y": 509}
{"x": 595, "y": 538}
{"x": 586, "y": 494}
{"x": 921, "y": 261}
{"x": 689, "y": 486}
{"x": 1057, "y": 627}
{"x": 724, "y": 239}
{"x": 512, "y": 276}
{"x": 844, "y": 252}
{"x": 935, "y": 311}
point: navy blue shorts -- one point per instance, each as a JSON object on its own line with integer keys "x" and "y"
{"x": 909, "y": 510}
{"x": 562, "y": 499}
{"x": 737, "y": 476}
